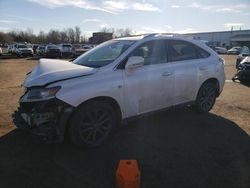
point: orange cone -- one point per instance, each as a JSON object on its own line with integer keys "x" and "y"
{"x": 128, "y": 174}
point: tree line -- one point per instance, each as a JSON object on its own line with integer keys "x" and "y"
{"x": 69, "y": 35}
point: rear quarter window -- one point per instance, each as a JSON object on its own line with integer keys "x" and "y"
{"x": 180, "y": 50}
{"x": 201, "y": 53}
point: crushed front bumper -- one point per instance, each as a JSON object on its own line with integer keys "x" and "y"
{"x": 46, "y": 120}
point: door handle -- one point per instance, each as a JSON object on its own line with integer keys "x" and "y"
{"x": 167, "y": 73}
{"x": 203, "y": 68}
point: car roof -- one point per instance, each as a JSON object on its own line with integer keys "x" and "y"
{"x": 160, "y": 36}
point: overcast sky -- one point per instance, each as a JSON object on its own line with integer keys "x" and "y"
{"x": 142, "y": 16}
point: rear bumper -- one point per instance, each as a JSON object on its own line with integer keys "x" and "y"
{"x": 45, "y": 121}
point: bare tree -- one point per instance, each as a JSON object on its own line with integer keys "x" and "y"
{"x": 77, "y": 34}
{"x": 5, "y": 38}
{"x": 41, "y": 38}
{"x": 71, "y": 35}
{"x": 53, "y": 36}
{"x": 107, "y": 30}
{"x": 123, "y": 32}
{"x": 64, "y": 37}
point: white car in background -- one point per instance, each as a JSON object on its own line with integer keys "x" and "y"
{"x": 9, "y": 48}
{"x": 115, "y": 81}
{"x": 66, "y": 50}
{"x": 86, "y": 48}
{"x": 78, "y": 50}
{"x": 220, "y": 50}
{"x": 244, "y": 52}
{"x": 23, "y": 50}
{"x": 234, "y": 50}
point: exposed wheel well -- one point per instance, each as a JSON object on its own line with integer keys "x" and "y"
{"x": 108, "y": 100}
{"x": 215, "y": 82}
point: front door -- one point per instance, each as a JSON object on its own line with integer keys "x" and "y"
{"x": 149, "y": 87}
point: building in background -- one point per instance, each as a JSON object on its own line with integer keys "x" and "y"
{"x": 100, "y": 37}
{"x": 225, "y": 39}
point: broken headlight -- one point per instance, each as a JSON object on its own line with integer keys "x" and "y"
{"x": 40, "y": 94}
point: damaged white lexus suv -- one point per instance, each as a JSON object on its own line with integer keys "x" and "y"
{"x": 122, "y": 78}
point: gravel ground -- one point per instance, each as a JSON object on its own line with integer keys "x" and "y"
{"x": 176, "y": 148}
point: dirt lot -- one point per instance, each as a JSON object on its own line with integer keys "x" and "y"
{"x": 177, "y": 148}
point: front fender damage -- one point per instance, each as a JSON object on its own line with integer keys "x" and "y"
{"x": 46, "y": 120}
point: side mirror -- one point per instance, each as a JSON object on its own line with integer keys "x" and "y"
{"x": 134, "y": 62}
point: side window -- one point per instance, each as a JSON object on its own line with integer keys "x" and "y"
{"x": 153, "y": 52}
{"x": 201, "y": 53}
{"x": 180, "y": 50}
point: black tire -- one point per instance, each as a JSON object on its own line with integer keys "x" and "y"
{"x": 206, "y": 97}
{"x": 92, "y": 124}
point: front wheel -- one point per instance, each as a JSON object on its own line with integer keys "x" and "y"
{"x": 206, "y": 98}
{"x": 92, "y": 124}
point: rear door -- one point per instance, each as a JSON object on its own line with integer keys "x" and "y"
{"x": 187, "y": 66}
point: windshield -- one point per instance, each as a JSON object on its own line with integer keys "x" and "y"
{"x": 21, "y": 46}
{"x": 104, "y": 54}
{"x": 52, "y": 47}
{"x": 66, "y": 46}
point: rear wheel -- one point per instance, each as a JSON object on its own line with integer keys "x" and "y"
{"x": 206, "y": 97}
{"x": 92, "y": 124}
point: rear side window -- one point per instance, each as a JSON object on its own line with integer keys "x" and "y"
{"x": 201, "y": 53}
{"x": 181, "y": 50}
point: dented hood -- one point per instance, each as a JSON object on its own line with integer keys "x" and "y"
{"x": 51, "y": 70}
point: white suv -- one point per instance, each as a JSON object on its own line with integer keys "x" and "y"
{"x": 117, "y": 80}
{"x": 66, "y": 50}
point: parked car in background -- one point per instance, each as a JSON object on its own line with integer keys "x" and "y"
{"x": 244, "y": 52}
{"x": 243, "y": 70}
{"x": 78, "y": 50}
{"x": 220, "y": 50}
{"x": 66, "y": 50}
{"x": 234, "y": 51}
{"x": 14, "y": 48}
{"x": 9, "y": 48}
{"x": 23, "y": 50}
{"x": 117, "y": 80}
{"x": 34, "y": 47}
{"x": 52, "y": 51}
{"x": 40, "y": 50}
{"x": 1, "y": 51}
{"x": 86, "y": 48}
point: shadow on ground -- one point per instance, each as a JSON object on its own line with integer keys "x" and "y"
{"x": 178, "y": 148}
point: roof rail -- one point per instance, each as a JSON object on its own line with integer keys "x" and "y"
{"x": 150, "y": 35}
{"x": 168, "y": 34}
